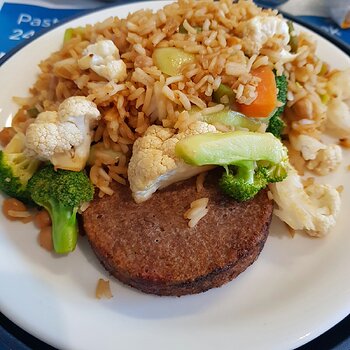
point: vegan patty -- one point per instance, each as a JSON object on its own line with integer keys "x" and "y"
{"x": 149, "y": 246}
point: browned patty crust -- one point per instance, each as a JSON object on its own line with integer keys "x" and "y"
{"x": 149, "y": 246}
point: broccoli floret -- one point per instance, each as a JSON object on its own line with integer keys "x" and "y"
{"x": 276, "y": 124}
{"x": 282, "y": 86}
{"x": 16, "y": 169}
{"x": 276, "y": 172}
{"x": 242, "y": 182}
{"x": 251, "y": 159}
{"x": 61, "y": 193}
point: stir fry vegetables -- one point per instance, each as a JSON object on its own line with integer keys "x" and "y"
{"x": 266, "y": 99}
{"x": 252, "y": 160}
{"x": 276, "y": 124}
{"x": 16, "y": 168}
{"x": 61, "y": 193}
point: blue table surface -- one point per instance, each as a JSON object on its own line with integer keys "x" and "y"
{"x": 337, "y": 338}
{"x": 14, "y": 338}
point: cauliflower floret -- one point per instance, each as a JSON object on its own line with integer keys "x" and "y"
{"x": 320, "y": 158}
{"x": 326, "y": 161}
{"x": 64, "y": 137}
{"x": 103, "y": 58}
{"x": 338, "y": 108}
{"x": 313, "y": 209}
{"x": 258, "y": 30}
{"x": 307, "y": 145}
{"x": 47, "y": 117}
{"x": 338, "y": 117}
{"x": 339, "y": 84}
{"x": 153, "y": 164}
{"x": 77, "y": 106}
{"x": 43, "y": 140}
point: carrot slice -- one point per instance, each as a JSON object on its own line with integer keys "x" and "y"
{"x": 266, "y": 100}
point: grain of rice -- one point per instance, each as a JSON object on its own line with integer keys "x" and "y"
{"x": 157, "y": 38}
{"x": 168, "y": 93}
{"x": 103, "y": 173}
{"x": 210, "y": 79}
{"x": 147, "y": 100}
{"x": 135, "y": 94}
{"x": 306, "y": 121}
{"x": 223, "y": 128}
{"x": 235, "y": 69}
{"x": 175, "y": 79}
{"x": 139, "y": 49}
{"x": 194, "y": 49}
{"x": 181, "y": 85}
{"x": 189, "y": 28}
{"x": 197, "y": 101}
{"x": 222, "y": 39}
{"x": 19, "y": 213}
{"x": 106, "y": 158}
{"x": 212, "y": 64}
{"x": 208, "y": 91}
{"x": 103, "y": 289}
{"x": 210, "y": 39}
{"x": 192, "y": 73}
{"x": 250, "y": 62}
{"x": 106, "y": 189}
{"x": 216, "y": 83}
{"x": 206, "y": 25}
{"x": 84, "y": 206}
{"x": 132, "y": 27}
{"x": 200, "y": 181}
{"x": 116, "y": 178}
{"x": 194, "y": 212}
{"x": 201, "y": 12}
{"x": 260, "y": 61}
{"x": 94, "y": 174}
{"x": 239, "y": 91}
{"x": 140, "y": 76}
{"x": 279, "y": 68}
{"x": 201, "y": 82}
{"x": 214, "y": 109}
{"x": 290, "y": 96}
{"x": 183, "y": 99}
{"x": 140, "y": 100}
{"x": 198, "y": 209}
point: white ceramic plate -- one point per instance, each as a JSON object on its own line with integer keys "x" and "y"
{"x": 296, "y": 290}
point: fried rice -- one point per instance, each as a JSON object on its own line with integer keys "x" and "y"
{"x": 149, "y": 96}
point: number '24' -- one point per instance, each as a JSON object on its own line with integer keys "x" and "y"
{"x": 18, "y": 34}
